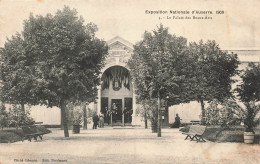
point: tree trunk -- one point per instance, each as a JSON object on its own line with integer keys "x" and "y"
{"x": 203, "y": 121}
{"x": 166, "y": 116}
{"x": 159, "y": 117}
{"x": 146, "y": 123}
{"x": 61, "y": 121}
{"x": 64, "y": 118}
{"x": 70, "y": 116}
{"x": 22, "y": 106}
{"x": 85, "y": 121}
{"x": 145, "y": 117}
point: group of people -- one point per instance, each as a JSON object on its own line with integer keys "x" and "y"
{"x": 98, "y": 121}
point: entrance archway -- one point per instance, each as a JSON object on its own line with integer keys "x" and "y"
{"x": 117, "y": 96}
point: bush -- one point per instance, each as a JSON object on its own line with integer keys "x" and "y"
{"x": 250, "y": 116}
{"x": 77, "y": 116}
{"x": 225, "y": 114}
{"x": 149, "y": 110}
{"x": 3, "y": 116}
{"x": 18, "y": 117}
{"x": 212, "y": 113}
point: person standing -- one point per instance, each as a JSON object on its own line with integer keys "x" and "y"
{"x": 101, "y": 121}
{"x": 95, "y": 121}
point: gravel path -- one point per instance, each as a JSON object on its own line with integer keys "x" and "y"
{"x": 133, "y": 145}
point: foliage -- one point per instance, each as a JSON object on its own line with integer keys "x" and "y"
{"x": 157, "y": 64}
{"x": 91, "y": 112}
{"x": 249, "y": 90}
{"x": 15, "y": 116}
{"x": 148, "y": 109}
{"x": 248, "y": 112}
{"x": 249, "y": 93}
{"x": 225, "y": 114}
{"x": 157, "y": 67}
{"x": 77, "y": 116}
{"x": 68, "y": 56}
{"x": 59, "y": 61}
{"x": 18, "y": 117}
{"x": 212, "y": 73}
{"x": 3, "y": 116}
{"x": 164, "y": 66}
{"x": 231, "y": 113}
{"x": 75, "y": 112}
{"x": 16, "y": 76}
{"x": 212, "y": 113}
{"x": 250, "y": 119}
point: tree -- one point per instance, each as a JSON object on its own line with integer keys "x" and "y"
{"x": 249, "y": 93}
{"x": 156, "y": 67}
{"x": 65, "y": 59}
{"x": 85, "y": 116}
{"x": 149, "y": 111}
{"x": 16, "y": 75}
{"x": 212, "y": 73}
{"x": 249, "y": 90}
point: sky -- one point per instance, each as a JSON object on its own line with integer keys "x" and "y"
{"x": 237, "y": 28}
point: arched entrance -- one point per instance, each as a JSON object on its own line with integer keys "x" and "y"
{"x": 117, "y": 96}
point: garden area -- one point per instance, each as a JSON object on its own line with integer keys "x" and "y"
{"x": 13, "y": 119}
{"x": 169, "y": 71}
{"x": 43, "y": 66}
{"x": 11, "y": 122}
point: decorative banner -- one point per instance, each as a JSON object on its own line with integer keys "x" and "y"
{"x": 117, "y": 75}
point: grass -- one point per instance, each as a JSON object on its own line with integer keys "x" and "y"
{"x": 218, "y": 134}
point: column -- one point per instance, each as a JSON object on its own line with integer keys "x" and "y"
{"x": 99, "y": 100}
{"x": 123, "y": 108}
{"x": 109, "y": 108}
{"x": 134, "y": 119}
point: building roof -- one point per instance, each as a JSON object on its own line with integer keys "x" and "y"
{"x": 244, "y": 55}
{"x": 121, "y": 40}
{"x": 247, "y": 55}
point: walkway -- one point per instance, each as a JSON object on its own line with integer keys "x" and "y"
{"x": 136, "y": 145}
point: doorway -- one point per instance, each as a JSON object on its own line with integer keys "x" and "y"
{"x": 104, "y": 110}
{"x": 116, "y": 107}
{"x": 128, "y": 111}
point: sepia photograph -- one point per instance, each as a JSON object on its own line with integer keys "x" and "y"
{"x": 129, "y": 81}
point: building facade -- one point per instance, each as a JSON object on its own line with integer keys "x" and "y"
{"x": 116, "y": 98}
